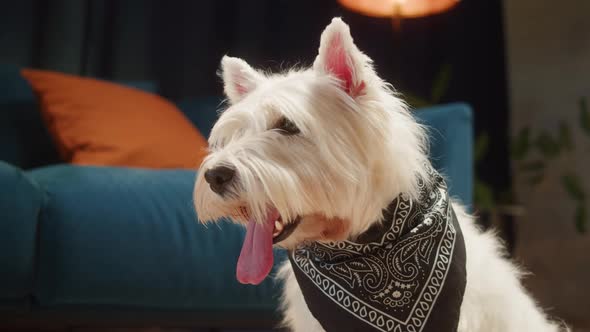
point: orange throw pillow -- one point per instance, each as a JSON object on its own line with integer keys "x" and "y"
{"x": 95, "y": 122}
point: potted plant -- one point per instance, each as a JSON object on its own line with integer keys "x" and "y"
{"x": 532, "y": 152}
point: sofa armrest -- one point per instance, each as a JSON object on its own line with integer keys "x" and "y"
{"x": 20, "y": 203}
{"x": 451, "y": 146}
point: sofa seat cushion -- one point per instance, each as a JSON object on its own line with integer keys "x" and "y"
{"x": 20, "y": 203}
{"x": 120, "y": 237}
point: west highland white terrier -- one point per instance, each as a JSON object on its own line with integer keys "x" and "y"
{"x": 329, "y": 163}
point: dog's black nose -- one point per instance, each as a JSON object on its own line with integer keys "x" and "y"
{"x": 219, "y": 178}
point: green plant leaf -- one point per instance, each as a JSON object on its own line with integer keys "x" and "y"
{"x": 521, "y": 144}
{"x": 581, "y": 218}
{"x": 441, "y": 83}
{"x": 416, "y": 101}
{"x": 565, "y": 136}
{"x": 534, "y": 180}
{"x": 481, "y": 146}
{"x": 483, "y": 196}
{"x": 547, "y": 145}
{"x": 584, "y": 116}
{"x": 572, "y": 185}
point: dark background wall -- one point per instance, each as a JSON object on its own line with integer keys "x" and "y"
{"x": 179, "y": 44}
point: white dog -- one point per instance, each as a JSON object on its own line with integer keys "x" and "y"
{"x": 329, "y": 163}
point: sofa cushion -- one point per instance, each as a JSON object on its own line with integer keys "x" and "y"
{"x": 20, "y": 203}
{"x": 24, "y": 139}
{"x": 95, "y": 122}
{"x": 129, "y": 237}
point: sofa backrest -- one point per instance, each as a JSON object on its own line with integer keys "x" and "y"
{"x": 24, "y": 141}
{"x": 202, "y": 111}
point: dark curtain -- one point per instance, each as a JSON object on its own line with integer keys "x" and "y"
{"x": 179, "y": 45}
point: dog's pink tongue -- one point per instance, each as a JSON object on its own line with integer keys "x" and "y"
{"x": 256, "y": 258}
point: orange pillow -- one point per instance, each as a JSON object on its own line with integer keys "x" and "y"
{"x": 95, "y": 122}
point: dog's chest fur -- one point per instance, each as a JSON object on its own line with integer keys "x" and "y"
{"x": 406, "y": 274}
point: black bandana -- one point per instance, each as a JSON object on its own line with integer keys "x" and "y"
{"x": 404, "y": 275}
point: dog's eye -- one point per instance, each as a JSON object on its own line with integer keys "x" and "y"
{"x": 286, "y": 127}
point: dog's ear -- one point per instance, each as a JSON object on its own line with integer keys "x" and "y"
{"x": 339, "y": 56}
{"x": 239, "y": 79}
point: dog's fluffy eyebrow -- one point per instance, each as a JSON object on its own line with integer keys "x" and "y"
{"x": 283, "y": 107}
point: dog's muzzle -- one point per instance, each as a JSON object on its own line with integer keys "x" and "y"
{"x": 220, "y": 178}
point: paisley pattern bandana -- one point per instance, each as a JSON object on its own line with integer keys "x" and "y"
{"x": 406, "y": 274}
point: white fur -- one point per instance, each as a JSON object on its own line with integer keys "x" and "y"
{"x": 359, "y": 147}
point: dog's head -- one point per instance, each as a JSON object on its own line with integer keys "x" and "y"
{"x": 307, "y": 155}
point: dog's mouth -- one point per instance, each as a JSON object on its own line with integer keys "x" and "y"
{"x": 256, "y": 257}
{"x": 284, "y": 229}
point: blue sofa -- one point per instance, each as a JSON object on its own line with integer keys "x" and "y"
{"x": 106, "y": 246}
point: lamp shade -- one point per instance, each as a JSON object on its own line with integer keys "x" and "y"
{"x": 398, "y": 8}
